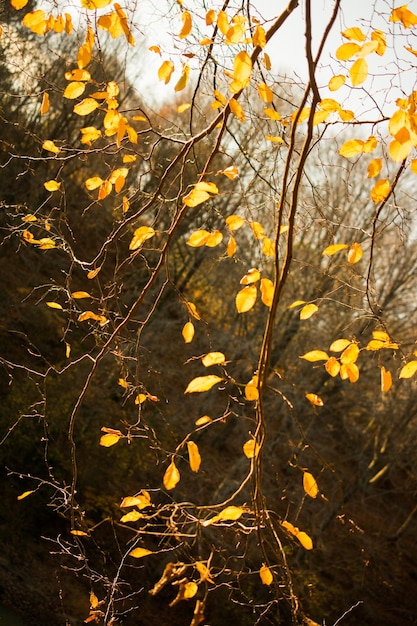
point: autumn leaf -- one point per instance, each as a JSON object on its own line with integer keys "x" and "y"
{"x": 25, "y": 494}
{"x": 50, "y": 146}
{"x": 74, "y": 90}
{"x": 188, "y": 332}
{"x": 246, "y": 298}
{"x": 332, "y": 366}
{"x": 234, "y": 222}
{"x": 251, "y": 449}
{"x": 45, "y": 104}
{"x": 139, "y": 553}
{"x": 194, "y": 456}
{"x": 380, "y": 191}
{"x": 315, "y": 355}
{"x": 314, "y": 399}
{"x": 266, "y": 575}
{"x": 213, "y": 358}
{"x": 141, "y": 234}
{"x": 346, "y": 51}
{"x": 408, "y": 370}
{"x": 354, "y": 253}
{"x": 165, "y": 71}
{"x": 109, "y": 440}
{"x": 351, "y": 148}
{"x": 336, "y": 82}
{"x": 171, "y": 476}
{"x": 52, "y": 185}
{"x": 86, "y": 106}
{"x": 265, "y": 92}
{"x": 267, "y": 291}
{"x": 374, "y": 168}
{"x": 307, "y": 311}
{"x": 386, "y": 380}
{"x": 202, "y": 383}
{"x": 200, "y": 193}
{"x": 230, "y": 513}
{"x": 334, "y": 248}
{"x": 186, "y": 24}
{"x": 310, "y": 485}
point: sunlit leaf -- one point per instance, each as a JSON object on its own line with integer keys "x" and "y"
{"x": 305, "y": 540}
{"x": 234, "y": 222}
{"x": 251, "y": 449}
{"x": 80, "y": 294}
{"x": 349, "y": 371}
{"x": 265, "y": 92}
{"x": 183, "y": 107}
{"x": 93, "y": 273}
{"x": 165, "y": 71}
{"x": 230, "y": 513}
{"x": 380, "y": 191}
{"x": 223, "y": 22}
{"x": 205, "y": 419}
{"x": 336, "y": 82}
{"x": 202, "y": 383}
{"x": 193, "y": 456}
{"x": 242, "y": 68}
{"x": 186, "y": 24}
{"x": 109, "y": 440}
{"x": 347, "y": 51}
{"x": 315, "y": 355}
{"x": 200, "y": 193}
{"x": 258, "y": 230}
{"x": 188, "y": 332}
{"x": 183, "y": 80}
{"x": 86, "y": 106}
{"x": 386, "y": 379}
{"x": 252, "y": 276}
{"x": 251, "y": 389}
{"x": 45, "y": 104}
{"x": 138, "y": 553}
{"x": 231, "y": 246}
{"x": 408, "y": 370}
{"x": 210, "y": 17}
{"x": 204, "y": 572}
{"x": 52, "y": 185}
{"x": 308, "y": 310}
{"x": 310, "y": 485}
{"x": 399, "y": 151}
{"x": 350, "y": 353}
{"x": 332, "y": 366}
{"x": 74, "y": 90}
{"x": 370, "y": 144}
{"x": 35, "y": 21}
{"x": 213, "y": 358}
{"x": 50, "y": 146}
{"x": 351, "y": 148}
{"x": 141, "y": 501}
{"x": 198, "y": 238}
{"x": 379, "y": 36}
{"x": 354, "y": 33}
{"x": 259, "y": 37}
{"x": 93, "y": 183}
{"x": 368, "y": 48}
{"x": 190, "y": 589}
{"x": 192, "y": 309}
{"x": 272, "y": 114}
{"x": 25, "y": 494}
{"x": 231, "y": 173}
{"x": 140, "y": 235}
{"x": 171, "y": 476}
{"x": 314, "y": 399}
{"x": 78, "y": 533}
{"x": 374, "y": 168}
{"x": 246, "y": 298}
{"x": 267, "y": 291}
{"x": 236, "y": 109}
{"x": 403, "y": 15}
{"x": 354, "y": 253}
{"x": 214, "y": 239}
{"x": 132, "y": 516}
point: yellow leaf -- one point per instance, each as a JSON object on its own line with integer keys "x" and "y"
{"x": 332, "y": 366}
{"x": 403, "y": 15}
{"x": 339, "y": 345}
{"x": 138, "y": 553}
{"x": 182, "y": 82}
{"x": 408, "y": 370}
{"x": 213, "y": 358}
{"x": 214, "y": 239}
{"x": 210, "y": 17}
{"x": 231, "y": 173}
{"x": 380, "y": 191}
{"x": 246, "y": 298}
{"x": 171, "y": 476}
{"x": 237, "y": 110}
{"x": 194, "y": 456}
{"x": 67, "y": 350}
{"x": 307, "y": 311}
{"x": 258, "y": 230}
{"x": 202, "y": 383}
{"x": 349, "y": 371}
{"x": 347, "y": 51}
{"x": 374, "y": 168}
{"x": 231, "y": 246}
{"x": 315, "y": 355}
{"x": 198, "y": 238}
{"x": 200, "y": 193}
{"x": 368, "y": 48}
{"x": 50, "y": 146}
{"x": 18, "y": 4}
{"x": 266, "y": 575}
{"x": 251, "y": 449}
{"x": 386, "y": 380}
{"x": 132, "y": 516}
{"x": 354, "y": 253}
{"x": 358, "y": 72}
{"x": 109, "y": 440}
{"x": 183, "y": 107}
{"x": 267, "y": 291}
{"x": 346, "y": 116}
{"x": 272, "y": 114}
{"x": 296, "y": 303}
{"x": 205, "y": 419}
{"x": 190, "y": 589}
{"x": 186, "y": 24}
{"x": 79, "y": 533}
{"x": 29, "y": 218}
{"x": 140, "y": 398}
{"x": 25, "y": 494}
{"x": 230, "y": 513}
{"x": 399, "y": 151}
{"x": 52, "y": 185}
{"x": 80, "y": 294}
{"x": 165, "y": 71}
{"x": 351, "y": 148}
{"x": 370, "y": 144}
{"x": 234, "y": 222}
{"x": 35, "y": 21}
{"x": 310, "y": 485}
{"x": 265, "y": 92}
{"x": 93, "y": 183}
{"x": 314, "y": 399}
{"x": 379, "y": 36}
{"x": 305, "y": 540}
{"x": 259, "y": 37}
{"x": 334, "y": 248}
{"x": 268, "y": 246}
{"x": 223, "y": 22}
{"x": 89, "y": 134}
{"x": 192, "y": 310}
{"x": 251, "y": 389}
{"x": 74, "y": 90}
{"x": 141, "y": 501}
{"x": 354, "y": 33}
{"x": 89, "y": 315}
{"x": 252, "y": 276}
{"x": 350, "y": 354}
{"x": 45, "y": 103}
{"x": 336, "y": 82}
{"x": 204, "y": 572}
{"x": 86, "y": 106}
{"x": 188, "y": 332}
{"x": 140, "y": 235}
{"x": 93, "y": 273}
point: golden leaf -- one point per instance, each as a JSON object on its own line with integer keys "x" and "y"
{"x": 351, "y": 148}
{"x": 231, "y": 246}
{"x": 349, "y": 371}
{"x": 252, "y": 276}
{"x": 74, "y": 90}
{"x": 93, "y": 273}
{"x": 86, "y": 106}
{"x": 165, "y": 71}
{"x": 138, "y": 553}
{"x": 403, "y": 15}
{"x": 132, "y": 516}
{"x": 188, "y": 332}
{"x": 200, "y": 193}
{"x": 183, "y": 80}
{"x": 386, "y": 380}
{"x": 45, "y": 103}
{"x": 315, "y": 355}
{"x": 374, "y": 168}
{"x": 336, "y": 82}
{"x": 267, "y": 290}
{"x": 89, "y": 134}
{"x": 183, "y": 107}
{"x": 379, "y": 36}
{"x": 93, "y": 183}
{"x": 259, "y": 37}
{"x": 380, "y": 191}
{"x": 347, "y": 51}
{"x": 231, "y": 173}
{"x": 258, "y": 230}
{"x": 268, "y": 246}
{"x": 210, "y": 17}
{"x": 354, "y": 33}
{"x": 234, "y": 222}
{"x": 314, "y": 399}
{"x": 251, "y": 449}
{"x": 214, "y": 239}
{"x": 192, "y": 309}
{"x": 204, "y": 572}
{"x": 310, "y": 485}
{"x": 140, "y": 235}
{"x": 25, "y": 494}
{"x": 399, "y": 151}
{"x": 354, "y": 253}
{"x": 265, "y": 92}
{"x": 171, "y": 476}
{"x": 108, "y": 440}
{"x": 246, "y": 298}
{"x": 251, "y": 389}
{"x": 80, "y": 294}
{"x": 230, "y": 513}
{"x": 78, "y": 74}
{"x": 52, "y": 185}
{"x": 190, "y": 589}
{"x": 223, "y": 22}
{"x": 368, "y": 48}
{"x": 358, "y": 72}
{"x": 50, "y": 146}
{"x": 186, "y": 24}
{"x": 198, "y": 238}
{"x": 194, "y": 456}
{"x": 205, "y": 419}
{"x": 350, "y": 353}
{"x": 307, "y": 311}
{"x": 35, "y": 21}
{"x": 202, "y": 383}
{"x": 141, "y": 501}
{"x": 408, "y": 370}
{"x": 18, "y": 4}
{"x": 305, "y": 540}
{"x": 332, "y": 366}
{"x": 78, "y": 533}
{"x": 213, "y": 358}
{"x": 272, "y": 114}
{"x": 266, "y": 575}
{"x": 237, "y": 110}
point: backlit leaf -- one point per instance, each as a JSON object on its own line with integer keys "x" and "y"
{"x": 141, "y": 501}
{"x": 25, "y": 494}
{"x": 78, "y": 533}
{"x": 266, "y": 575}
{"x": 223, "y": 22}
{"x": 50, "y": 146}
{"x": 350, "y": 353}
{"x": 186, "y": 24}
{"x": 54, "y": 305}
{"x": 386, "y": 380}
{"x": 349, "y": 371}
{"x": 259, "y": 37}
{"x": 310, "y": 485}
{"x": 315, "y": 355}
{"x": 307, "y": 311}
{"x": 354, "y": 33}
{"x": 74, "y": 90}
{"x": 214, "y": 239}
{"x": 132, "y": 516}
{"x": 246, "y": 298}
{"x": 93, "y": 183}
{"x": 52, "y": 185}
{"x": 399, "y": 151}
{"x": 213, "y": 358}
{"x": 252, "y": 276}
{"x": 86, "y": 106}
{"x": 403, "y": 15}
{"x": 204, "y": 572}
{"x": 267, "y": 291}
{"x": 408, "y": 370}
{"x": 35, "y": 21}
{"x": 351, "y": 148}
{"x": 165, "y": 71}
{"x": 140, "y": 235}
{"x": 200, "y": 193}
{"x": 183, "y": 80}
{"x": 347, "y": 51}
{"x": 80, "y": 294}
{"x": 251, "y": 389}
{"x": 193, "y": 456}
{"x": 237, "y": 110}
{"x": 202, "y": 383}
{"x": 265, "y": 92}
{"x": 354, "y": 253}
{"x": 359, "y": 72}
{"x": 258, "y": 230}
{"x": 190, "y": 589}
{"x": 109, "y": 440}
{"x": 251, "y": 449}
{"x": 205, "y": 419}
{"x": 336, "y": 82}
{"x": 45, "y": 103}
{"x": 380, "y": 191}
{"x": 188, "y": 332}
{"x": 242, "y": 68}
{"x": 332, "y": 366}
{"x": 334, "y": 248}
{"x": 231, "y": 247}
{"x": 171, "y": 476}
{"x": 374, "y": 168}
{"x": 314, "y": 399}
{"x": 305, "y": 540}
{"x": 138, "y": 553}
{"x": 230, "y": 513}
{"x": 198, "y": 238}
{"x": 231, "y": 173}
{"x": 234, "y": 222}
